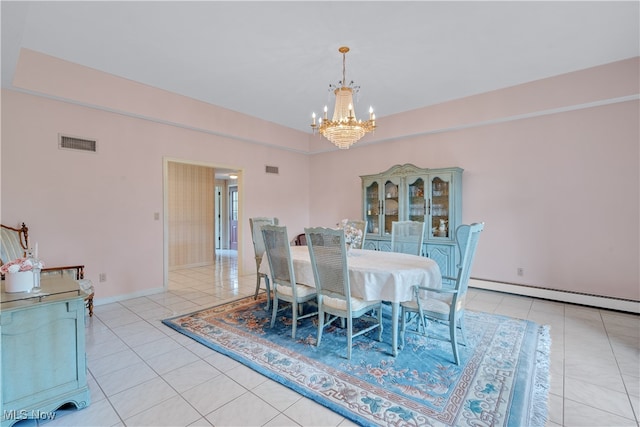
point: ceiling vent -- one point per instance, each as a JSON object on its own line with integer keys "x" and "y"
{"x": 74, "y": 143}
{"x": 271, "y": 169}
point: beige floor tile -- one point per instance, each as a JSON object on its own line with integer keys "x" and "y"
{"x": 581, "y": 415}
{"x": 191, "y": 375}
{"x": 236, "y": 413}
{"x": 202, "y": 422}
{"x": 94, "y": 389}
{"x": 156, "y": 348}
{"x": 100, "y": 366}
{"x": 128, "y": 403}
{"x": 117, "y": 318}
{"x": 172, "y": 412}
{"x": 132, "y": 329}
{"x": 212, "y": 394}
{"x": 151, "y": 335}
{"x": 277, "y": 395}
{"x": 221, "y": 362}
{"x": 246, "y": 377}
{"x": 592, "y": 395}
{"x": 347, "y": 423}
{"x": 199, "y": 350}
{"x": 308, "y": 413}
{"x": 281, "y": 421}
{"x": 555, "y": 409}
{"x": 102, "y": 347}
{"x": 167, "y": 362}
{"x": 120, "y": 380}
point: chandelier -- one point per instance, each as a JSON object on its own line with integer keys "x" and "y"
{"x": 344, "y": 129}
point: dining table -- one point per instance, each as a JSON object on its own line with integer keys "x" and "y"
{"x": 373, "y": 276}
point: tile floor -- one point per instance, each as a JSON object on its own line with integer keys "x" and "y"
{"x": 142, "y": 373}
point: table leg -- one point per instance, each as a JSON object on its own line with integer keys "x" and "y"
{"x": 395, "y": 306}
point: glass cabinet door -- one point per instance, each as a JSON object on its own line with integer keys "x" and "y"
{"x": 439, "y": 203}
{"x": 391, "y": 204}
{"x": 372, "y": 205}
{"x": 417, "y": 202}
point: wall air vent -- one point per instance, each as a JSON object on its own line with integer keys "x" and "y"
{"x": 271, "y": 169}
{"x": 74, "y": 143}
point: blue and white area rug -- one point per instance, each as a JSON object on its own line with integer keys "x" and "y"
{"x": 502, "y": 379}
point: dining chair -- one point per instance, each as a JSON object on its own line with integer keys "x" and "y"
{"x": 256, "y": 225}
{"x": 355, "y": 224}
{"x": 328, "y": 253}
{"x": 407, "y": 237}
{"x": 445, "y": 305}
{"x": 283, "y": 277}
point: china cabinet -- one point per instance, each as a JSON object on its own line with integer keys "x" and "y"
{"x": 43, "y": 351}
{"x": 406, "y": 192}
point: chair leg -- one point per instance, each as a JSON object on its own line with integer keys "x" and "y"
{"x": 462, "y": 330}
{"x": 268, "y": 290}
{"x": 89, "y": 304}
{"x": 349, "y": 336}
{"x": 403, "y": 326}
{"x": 320, "y": 322}
{"x": 379, "y": 324}
{"x": 275, "y": 310}
{"x": 255, "y": 296}
{"x": 422, "y": 323}
{"x": 454, "y": 343}
{"x": 294, "y": 319}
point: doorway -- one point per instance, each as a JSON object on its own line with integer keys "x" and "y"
{"x": 191, "y": 191}
{"x": 233, "y": 217}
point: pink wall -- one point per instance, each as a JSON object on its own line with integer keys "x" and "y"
{"x": 551, "y": 167}
{"x": 559, "y": 190}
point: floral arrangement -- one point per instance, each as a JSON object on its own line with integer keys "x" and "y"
{"x": 352, "y": 235}
{"x": 20, "y": 264}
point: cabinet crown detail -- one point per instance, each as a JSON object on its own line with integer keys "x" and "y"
{"x": 409, "y": 169}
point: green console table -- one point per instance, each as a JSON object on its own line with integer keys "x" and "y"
{"x": 43, "y": 351}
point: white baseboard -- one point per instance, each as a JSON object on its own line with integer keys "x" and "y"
{"x": 118, "y": 298}
{"x": 556, "y": 295}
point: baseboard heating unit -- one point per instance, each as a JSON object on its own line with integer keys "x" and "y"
{"x": 558, "y": 295}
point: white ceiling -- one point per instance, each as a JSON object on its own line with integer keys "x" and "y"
{"x": 275, "y": 60}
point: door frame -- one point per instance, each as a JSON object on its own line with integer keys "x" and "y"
{"x": 230, "y": 190}
{"x": 165, "y": 209}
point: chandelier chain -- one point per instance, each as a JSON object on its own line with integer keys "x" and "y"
{"x": 344, "y": 68}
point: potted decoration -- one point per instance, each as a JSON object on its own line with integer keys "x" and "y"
{"x": 352, "y": 235}
{"x": 20, "y": 274}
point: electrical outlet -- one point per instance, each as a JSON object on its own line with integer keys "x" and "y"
{"x": 520, "y": 271}
{"x": 156, "y": 216}
{"x": 103, "y": 277}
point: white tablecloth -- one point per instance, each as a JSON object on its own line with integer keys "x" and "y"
{"x": 374, "y": 275}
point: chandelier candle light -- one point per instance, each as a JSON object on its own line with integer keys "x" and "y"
{"x": 344, "y": 129}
